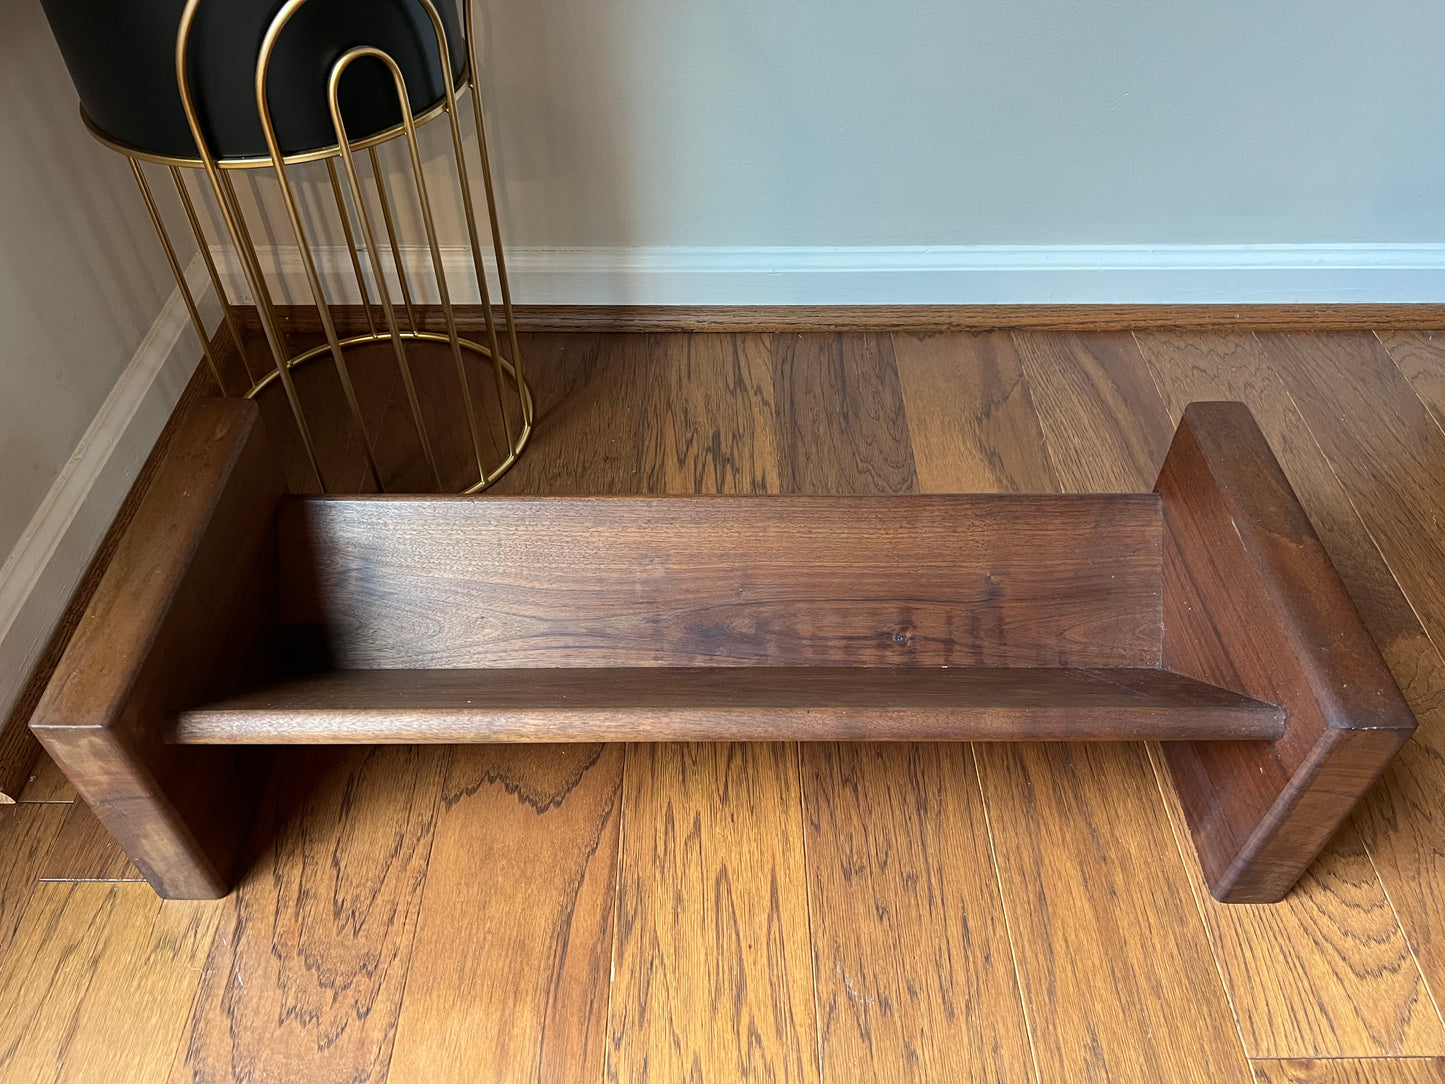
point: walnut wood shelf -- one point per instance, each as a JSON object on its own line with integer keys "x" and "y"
{"x": 757, "y": 703}
{"x": 1205, "y": 615}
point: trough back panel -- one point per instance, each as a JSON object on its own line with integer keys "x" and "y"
{"x": 992, "y": 580}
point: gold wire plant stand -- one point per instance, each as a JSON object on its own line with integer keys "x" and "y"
{"x": 497, "y": 429}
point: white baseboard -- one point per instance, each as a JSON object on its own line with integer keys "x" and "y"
{"x": 917, "y": 275}
{"x": 43, "y": 571}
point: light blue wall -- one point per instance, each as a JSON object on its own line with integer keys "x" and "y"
{"x": 919, "y": 122}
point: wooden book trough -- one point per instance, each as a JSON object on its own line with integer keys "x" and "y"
{"x": 1205, "y": 615}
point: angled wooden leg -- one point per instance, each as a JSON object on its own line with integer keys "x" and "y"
{"x": 1252, "y": 603}
{"x": 187, "y": 595}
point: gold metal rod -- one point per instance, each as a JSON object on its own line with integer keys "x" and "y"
{"x": 204, "y": 246}
{"x": 381, "y": 194}
{"x": 429, "y": 223}
{"x": 264, "y": 303}
{"x": 178, "y": 272}
{"x": 249, "y": 265}
{"x": 350, "y": 240}
{"x": 478, "y": 267}
{"x": 308, "y": 263}
{"x": 468, "y": 31}
{"x": 364, "y": 220}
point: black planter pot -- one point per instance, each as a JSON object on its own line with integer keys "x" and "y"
{"x": 121, "y": 58}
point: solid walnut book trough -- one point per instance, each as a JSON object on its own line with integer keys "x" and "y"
{"x": 1205, "y": 615}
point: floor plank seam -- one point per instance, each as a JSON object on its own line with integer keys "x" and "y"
{"x": 1439, "y": 423}
{"x": 617, "y": 874}
{"x": 808, "y": 896}
{"x": 1405, "y": 933}
{"x": 1007, "y": 922}
{"x": 1155, "y": 755}
{"x": 437, "y": 813}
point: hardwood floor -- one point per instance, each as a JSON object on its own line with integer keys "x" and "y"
{"x": 826, "y": 912}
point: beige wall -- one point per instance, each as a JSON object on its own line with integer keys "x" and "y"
{"x": 82, "y": 276}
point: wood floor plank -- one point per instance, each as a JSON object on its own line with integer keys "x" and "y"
{"x": 85, "y": 851}
{"x": 597, "y": 428}
{"x": 27, "y": 830}
{"x": 966, "y": 398}
{"x": 1118, "y": 978}
{"x": 915, "y": 980}
{"x": 1104, "y": 427}
{"x": 841, "y": 424}
{"x": 305, "y": 978}
{"x": 1420, "y": 356}
{"x": 1390, "y": 458}
{"x": 510, "y": 968}
{"x": 46, "y": 783}
{"x": 1350, "y": 1071}
{"x": 717, "y": 414}
{"x": 713, "y": 974}
{"x": 1327, "y": 972}
{"x": 98, "y": 982}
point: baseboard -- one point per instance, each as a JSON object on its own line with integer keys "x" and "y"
{"x": 49, "y": 561}
{"x": 974, "y": 275}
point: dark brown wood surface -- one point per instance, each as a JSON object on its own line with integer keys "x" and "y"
{"x": 695, "y": 581}
{"x": 1252, "y": 601}
{"x": 155, "y": 630}
{"x": 731, "y": 703}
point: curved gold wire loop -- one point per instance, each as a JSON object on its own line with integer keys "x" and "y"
{"x": 428, "y": 223}
{"x": 506, "y": 370}
{"x": 333, "y": 87}
{"x": 293, "y": 211}
{"x": 524, "y": 394}
{"x": 230, "y": 213}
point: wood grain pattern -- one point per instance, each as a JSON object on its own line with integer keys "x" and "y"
{"x": 46, "y": 783}
{"x": 510, "y": 972}
{"x": 1350, "y": 1071}
{"x": 85, "y": 851}
{"x": 598, "y": 427}
{"x": 738, "y": 703}
{"x": 696, "y": 581}
{"x": 713, "y": 977}
{"x": 900, "y": 873}
{"x": 908, "y": 318}
{"x": 717, "y": 415}
{"x": 916, "y": 975}
{"x": 841, "y": 424}
{"x": 1420, "y": 357}
{"x": 1078, "y": 829}
{"x": 1104, "y": 427}
{"x": 98, "y": 981}
{"x": 1327, "y": 971}
{"x": 966, "y": 399}
{"x": 156, "y": 629}
{"x": 1118, "y": 982}
{"x": 26, "y": 832}
{"x": 1390, "y": 469}
{"x": 1252, "y": 601}
{"x": 305, "y": 978}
